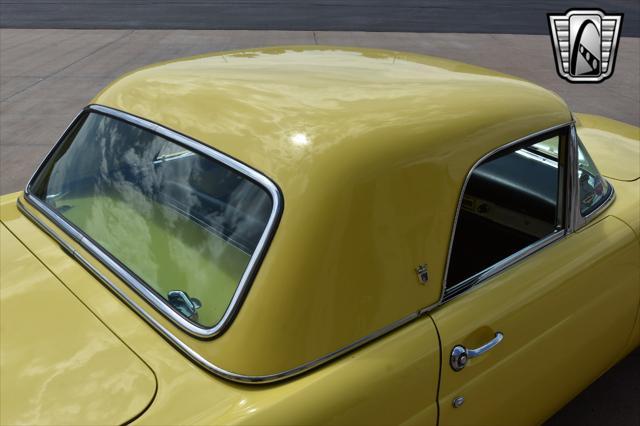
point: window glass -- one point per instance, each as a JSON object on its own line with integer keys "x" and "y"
{"x": 510, "y": 202}
{"x": 185, "y": 224}
{"x": 594, "y": 190}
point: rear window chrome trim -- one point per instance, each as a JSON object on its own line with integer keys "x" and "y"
{"x": 194, "y": 355}
{"x": 169, "y": 335}
{"x": 110, "y": 262}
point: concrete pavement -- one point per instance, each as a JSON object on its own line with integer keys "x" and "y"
{"x": 462, "y": 16}
{"x": 47, "y": 76}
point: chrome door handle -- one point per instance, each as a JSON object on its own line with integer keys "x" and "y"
{"x": 484, "y": 348}
{"x": 461, "y": 355}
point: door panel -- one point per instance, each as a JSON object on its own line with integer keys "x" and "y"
{"x": 566, "y": 313}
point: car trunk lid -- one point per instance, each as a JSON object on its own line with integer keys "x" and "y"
{"x": 60, "y": 364}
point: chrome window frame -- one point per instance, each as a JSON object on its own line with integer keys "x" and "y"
{"x": 570, "y": 226}
{"x": 476, "y": 279}
{"x": 570, "y": 204}
{"x": 580, "y": 221}
{"x": 190, "y": 352}
{"x": 169, "y": 335}
{"x": 110, "y": 262}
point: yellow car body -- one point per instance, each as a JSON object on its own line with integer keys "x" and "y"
{"x": 370, "y": 151}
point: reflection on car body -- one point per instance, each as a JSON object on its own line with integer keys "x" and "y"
{"x": 329, "y": 235}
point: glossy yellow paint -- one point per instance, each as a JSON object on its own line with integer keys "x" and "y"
{"x": 566, "y": 314}
{"x": 385, "y": 137}
{"x": 388, "y": 140}
{"x": 399, "y": 372}
{"x": 616, "y": 145}
{"x": 60, "y": 364}
{"x": 629, "y": 214}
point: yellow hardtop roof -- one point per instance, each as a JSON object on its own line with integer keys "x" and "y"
{"x": 369, "y": 149}
{"x": 267, "y": 106}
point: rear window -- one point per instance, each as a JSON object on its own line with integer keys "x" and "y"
{"x": 182, "y": 223}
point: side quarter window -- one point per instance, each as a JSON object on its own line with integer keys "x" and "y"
{"x": 593, "y": 188}
{"x": 512, "y": 200}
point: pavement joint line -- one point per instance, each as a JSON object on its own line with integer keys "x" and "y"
{"x": 104, "y": 46}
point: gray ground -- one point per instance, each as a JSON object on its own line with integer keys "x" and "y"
{"x": 46, "y": 76}
{"x": 459, "y": 16}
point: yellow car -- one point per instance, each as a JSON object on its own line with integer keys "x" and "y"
{"x": 308, "y": 235}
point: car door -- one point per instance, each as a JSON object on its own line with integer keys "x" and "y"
{"x": 541, "y": 290}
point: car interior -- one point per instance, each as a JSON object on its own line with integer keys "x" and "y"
{"x": 152, "y": 204}
{"x": 509, "y": 203}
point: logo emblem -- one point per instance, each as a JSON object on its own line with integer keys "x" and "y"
{"x": 585, "y": 43}
{"x": 423, "y": 274}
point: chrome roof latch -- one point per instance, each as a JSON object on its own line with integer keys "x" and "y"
{"x": 184, "y": 304}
